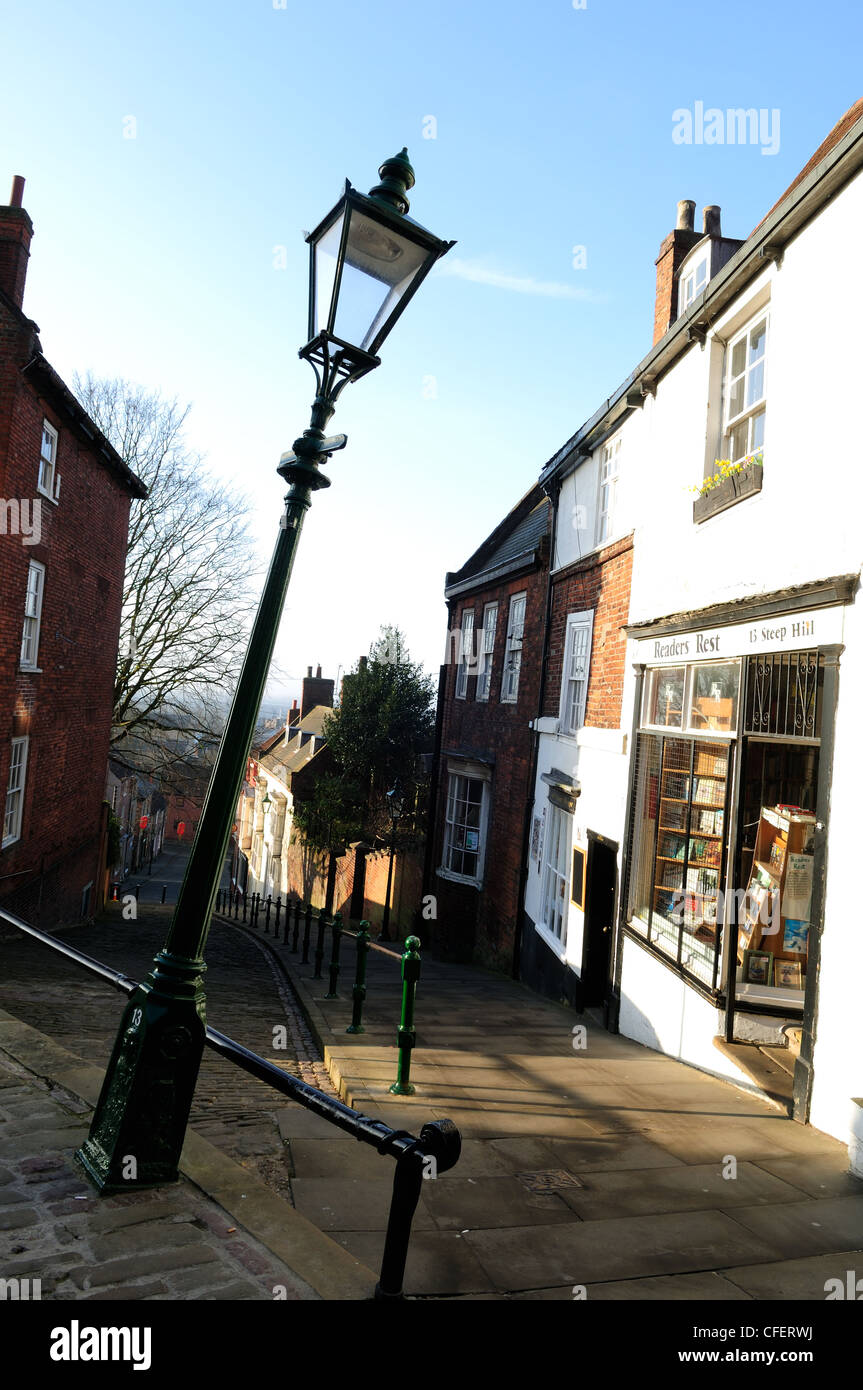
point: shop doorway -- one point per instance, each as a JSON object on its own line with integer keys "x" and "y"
{"x": 600, "y": 902}
{"x": 773, "y": 864}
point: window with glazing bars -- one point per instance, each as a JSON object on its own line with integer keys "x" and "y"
{"x": 677, "y": 840}
{"x": 555, "y": 870}
{"x": 486, "y": 651}
{"x": 514, "y": 640}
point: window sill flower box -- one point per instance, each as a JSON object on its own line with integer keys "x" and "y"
{"x": 728, "y": 486}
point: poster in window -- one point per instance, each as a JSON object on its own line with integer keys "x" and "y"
{"x": 471, "y": 840}
{"x": 579, "y": 865}
{"x": 797, "y": 895}
{"x": 534, "y": 839}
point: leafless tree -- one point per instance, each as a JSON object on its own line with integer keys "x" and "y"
{"x": 187, "y": 604}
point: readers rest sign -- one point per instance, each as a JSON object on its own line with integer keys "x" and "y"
{"x": 788, "y": 632}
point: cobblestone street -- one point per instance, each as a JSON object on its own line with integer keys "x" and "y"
{"x": 247, "y": 998}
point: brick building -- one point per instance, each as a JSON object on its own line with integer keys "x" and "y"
{"x": 579, "y": 765}
{"x": 62, "y": 561}
{"x": 489, "y": 694}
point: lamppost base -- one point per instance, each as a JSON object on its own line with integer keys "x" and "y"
{"x": 136, "y": 1136}
{"x": 352, "y": 1029}
{"x": 406, "y": 1089}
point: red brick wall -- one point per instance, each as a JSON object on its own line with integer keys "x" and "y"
{"x": 66, "y": 707}
{"x": 600, "y": 582}
{"x": 472, "y": 924}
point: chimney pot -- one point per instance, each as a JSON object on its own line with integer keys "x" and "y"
{"x": 318, "y": 672}
{"x": 16, "y": 199}
{"x": 712, "y": 225}
{"x": 686, "y": 215}
{"x": 308, "y": 673}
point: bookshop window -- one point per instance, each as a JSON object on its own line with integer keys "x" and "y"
{"x": 678, "y": 832}
{"x": 702, "y": 698}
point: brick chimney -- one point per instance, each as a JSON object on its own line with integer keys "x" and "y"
{"x": 16, "y": 229}
{"x": 316, "y": 691}
{"x": 672, "y": 252}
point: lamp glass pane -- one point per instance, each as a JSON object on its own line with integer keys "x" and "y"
{"x": 380, "y": 266}
{"x": 326, "y": 259}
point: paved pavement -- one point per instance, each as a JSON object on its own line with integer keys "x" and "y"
{"x": 603, "y": 1170}
{"x": 172, "y": 1244}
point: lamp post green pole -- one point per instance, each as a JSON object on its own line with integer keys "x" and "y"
{"x": 138, "y": 1128}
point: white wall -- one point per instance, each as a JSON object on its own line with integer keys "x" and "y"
{"x": 804, "y": 526}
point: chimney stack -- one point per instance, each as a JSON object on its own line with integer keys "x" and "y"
{"x": 316, "y": 691}
{"x": 712, "y": 222}
{"x": 293, "y": 716}
{"x": 674, "y": 249}
{"x": 16, "y": 231}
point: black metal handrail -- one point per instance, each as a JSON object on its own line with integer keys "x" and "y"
{"x": 435, "y": 1151}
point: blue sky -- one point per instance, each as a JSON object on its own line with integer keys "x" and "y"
{"x": 156, "y": 257}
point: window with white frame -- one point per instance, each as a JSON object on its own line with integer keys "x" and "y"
{"x": 576, "y": 670}
{"x": 693, "y": 279}
{"x": 745, "y": 392}
{"x": 32, "y": 614}
{"x": 465, "y": 660}
{"x": 512, "y": 656}
{"x": 555, "y": 870}
{"x": 609, "y": 468}
{"x": 48, "y": 460}
{"x": 486, "y": 651}
{"x": 13, "y": 812}
{"x": 465, "y": 823}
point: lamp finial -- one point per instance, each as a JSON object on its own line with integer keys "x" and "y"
{"x": 397, "y": 176}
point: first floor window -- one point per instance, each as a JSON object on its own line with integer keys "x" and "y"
{"x": 486, "y": 651}
{"x": 576, "y": 666}
{"x": 464, "y": 847}
{"x": 609, "y": 470}
{"x": 745, "y": 392}
{"x": 32, "y": 614}
{"x": 48, "y": 460}
{"x": 466, "y": 654}
{"x": 554, "y": 873}
{"x": 514, "y": 641}
{"x": 15, "y": 792}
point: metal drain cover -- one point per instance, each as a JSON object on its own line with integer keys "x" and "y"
{"x": 548, "y": 1180}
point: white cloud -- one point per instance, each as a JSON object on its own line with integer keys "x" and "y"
{"x": 481, "y": 273}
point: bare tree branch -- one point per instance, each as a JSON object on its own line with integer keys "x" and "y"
{"x": 187, "y": 601}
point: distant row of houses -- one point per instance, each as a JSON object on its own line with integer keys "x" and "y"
{"x": 645, "y": 797}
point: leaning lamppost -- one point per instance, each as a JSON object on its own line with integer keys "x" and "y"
{"x": 368, "y": 259}
{"x": 395, "y": 805}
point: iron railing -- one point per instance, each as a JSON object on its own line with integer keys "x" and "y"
{"x": 435, "y": 1151}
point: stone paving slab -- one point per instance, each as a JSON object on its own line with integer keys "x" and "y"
{"x": 664, "y": 1288}
{"x": 627, "y": 1248}
{"x": 804, "y": 1279}
{"x": 439, "y": 1264}
{"x": 813, "y": 1227}
{"x": 681, "y": 1188}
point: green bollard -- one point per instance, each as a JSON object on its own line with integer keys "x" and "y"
{"x": 407, "y": 1033}
{"x": 334, "y": 963}
{"x": 356, "y": 1023}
